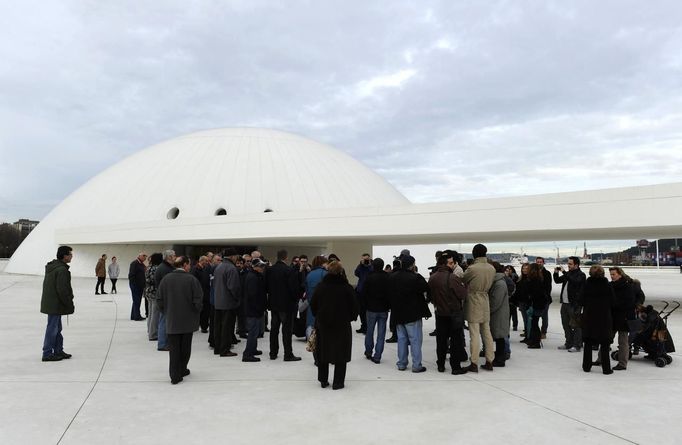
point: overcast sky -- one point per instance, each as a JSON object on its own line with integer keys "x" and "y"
{"x": 447, "y": 100}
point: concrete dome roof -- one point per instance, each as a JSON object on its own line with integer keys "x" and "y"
{"x": 239, "y": 170}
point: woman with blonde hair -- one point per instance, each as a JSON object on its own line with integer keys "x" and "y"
{"x": 334, "y": 306}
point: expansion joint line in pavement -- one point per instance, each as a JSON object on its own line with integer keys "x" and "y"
{"x": 99, "y": 374}
{"x": 5, "y": 288}
{"x": 555, "y": 411}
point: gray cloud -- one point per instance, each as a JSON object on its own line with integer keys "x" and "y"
{"x": 447, "y": 100}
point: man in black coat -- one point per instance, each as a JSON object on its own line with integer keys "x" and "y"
{"x": 408, "y": 306}
{"x": 255, "y": 305}
{"x": 162, "y": 270}
{"x": 180, "y": 300}
{"x": 282, "y": 287}
{"x": 202, "y": 272}
{"x": 572, "y": 283}
{"x": 376, "y": 298}
{"x": 136, "y": 283}
{"x": 547, "y": 281}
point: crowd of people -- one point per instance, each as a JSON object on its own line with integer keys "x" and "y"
{"x": 231, "y": 296}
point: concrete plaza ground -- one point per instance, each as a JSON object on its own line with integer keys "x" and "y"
{"x": 116, "y": 390}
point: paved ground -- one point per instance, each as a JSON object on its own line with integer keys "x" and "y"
{"x": 115, "y": 389}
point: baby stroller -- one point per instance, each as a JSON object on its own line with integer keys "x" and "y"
{"x": 652, "y": 335}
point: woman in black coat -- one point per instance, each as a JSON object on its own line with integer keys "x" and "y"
{"x": 334, "y": 307}
{"x": 537, "y": 301}
{"x": 597, "y": 320}
{"x": 623, "y": 313}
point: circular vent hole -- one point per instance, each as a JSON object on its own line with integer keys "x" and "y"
{"x": 173, "y": 213}
{"x": 220, "y": 212}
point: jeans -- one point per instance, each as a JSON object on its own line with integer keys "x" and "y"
{"x": 375, "y": 319}
{"x": 137, "y": 299}
{"x": 413, "y": 332}
{"x": 161, "y": 334}
{"x": 286, "y": 319}
{"x": 253, "y": 325}
{"x": 54, "y": 342}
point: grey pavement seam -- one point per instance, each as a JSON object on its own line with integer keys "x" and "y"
{"x": 557, "y": 412}
{"x": 99, "y": 374}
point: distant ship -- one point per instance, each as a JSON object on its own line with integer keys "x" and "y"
{"x": 518, "y": 260}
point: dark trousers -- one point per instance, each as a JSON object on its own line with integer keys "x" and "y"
{"x": 573, "y": 337}
{"x": 545, "y": 319}
{"x": 448, "y": 335}
{"x": 53, "y": 342}
{"x": 500, "y": 350}
{"x": 179, "y": 351}
{"x": 100, "y": 285}
{"x": 339, "y": 373}
{"x": 146, "y": 307}
{"x": 113, "y": 285}
{"x": 534, "y": 338}
{"x": 603, "y": 356}
{"x": 253, "y": 325}
{"x": 513, "y": 313}
{"x": 391, "y": 325}
{"x": 241, "y": 320}
{"x": 211, "y": 326}
{"x": 224, "y": 332}
{"x": 205, "y": 314}
{"x": 286, "y": 320}
{"x": 137, "y": 299}
{"x": 363, "y": 311}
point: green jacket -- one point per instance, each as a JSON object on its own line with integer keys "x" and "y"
{"x": 57, "y": 296}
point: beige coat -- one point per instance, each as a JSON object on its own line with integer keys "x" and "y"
{"x": 479, "y": 278}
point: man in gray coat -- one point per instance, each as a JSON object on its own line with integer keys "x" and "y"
{"x": 227, "y": 288}
{"x": 180, "y": 299}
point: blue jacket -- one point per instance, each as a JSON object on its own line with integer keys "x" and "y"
{"x": 311, "y": 281}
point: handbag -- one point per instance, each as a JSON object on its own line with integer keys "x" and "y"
{"x": 311, "y": 344}
{"x": 303, "y": 304}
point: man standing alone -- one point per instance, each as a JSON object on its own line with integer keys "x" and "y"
{"x": 136, "y": 282}
{"x": 101, "y": 274}
{"x": 179, "y": 299}
{"x": 57, "y": 300}
{"x": 572, "y": 283}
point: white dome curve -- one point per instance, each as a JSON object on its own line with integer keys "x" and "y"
{"x": 241, "y": 170}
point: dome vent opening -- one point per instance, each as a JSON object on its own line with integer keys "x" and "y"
{"x": 173, "y": 213}
{"x": 220, "y": 212}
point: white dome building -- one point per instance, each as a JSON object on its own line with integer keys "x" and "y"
{"x": 218, "y": 175}
{"x": 270, "y": 189}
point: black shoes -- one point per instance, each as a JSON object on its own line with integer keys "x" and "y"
{"x": 459, "y": 371}
{"x": 619, "y": 368}
{"x": 273, "y": 356}
{"x": 64, "y": 355}
{"x": 228, "y": 354}
{"x": 291, "y": 358}
{"x": 498, "y": 363}
{"x": 375, "y": 360}
{"x": 324, "y": 384}
{"x": 52, "y": 358}
{"x": 361, "y": 331}
{"x": 258, "y": 352}
{"x": 335, "y": 386}
{"x": 441, "y": 368}
{"x": 186, "y": 373}
{"x": 393, "y": 339}
{"x": 175, "y": 382}
{"x": 422, "y": 369}
{"x": 250, "y": 359}
{"x": 104, "y": 293}
{"x": 432, "y": 334}
{"x": 368, "y": 355}
{"x": 204, "y": 331}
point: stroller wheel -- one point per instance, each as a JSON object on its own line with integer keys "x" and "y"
{"x": 614, "y": 355}
{"x": 660, "y": 362}
{"x": 668, "y": 359}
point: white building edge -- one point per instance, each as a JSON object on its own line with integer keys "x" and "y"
{"x": 319, "y": 200}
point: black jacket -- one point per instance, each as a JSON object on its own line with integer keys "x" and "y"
{"x": 203, "y": 274}
{"x": 572, "y": 283}
{"x": 136, "y": 274}
{"x": 334, "y": 306}
{"x": 624, "y": 308}
{"x": 547, "y": 282}
{"x": 161, "y": 271}
{"x": 407, "y": 290}
{"x": 179, "y": 297}
{"x": 282, "y": 286}
{"x": 537, "y": 294}
{"x": 521, "y": 296}
{"x": 255, "y": 295}
{"x": 375, "y": 292}
{"x": 597, "y": 302}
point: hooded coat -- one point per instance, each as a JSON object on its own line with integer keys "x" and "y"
{"x": 334, "y": 306}
{"x": 57, "y": 297}
{"x": 499, "y": 307}
{"x": 598, "y": 301}
{"x": 479, "y": 278}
